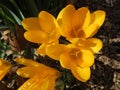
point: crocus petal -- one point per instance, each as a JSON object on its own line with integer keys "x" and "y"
{"x": 2, "y": 74}
{"x": 67, "y": 14}
{"x": 95, "y": 44}
{"x": 75, "y": 40}
{"x": 4, "y": 68}
{"x": 82, "y": 74}
{"x": 42, "y": 49}
{"x": 51, "y": 85}
{"x": 67, "y": 61}
{"x": 31, "y": 63}
{"x": 65, "y": 18}
{"x": 85, "y": 58}
{"x": 27, "y": 72}
{"x": 49, "y": 25}
{"x": 90, "y": 43}
{"x": 66, "y": 10}
{"x": 81, "y": 18}
{"x": 36, "y": 36}
{"x": 54, "y": 51}
{"x": 34, "y": 83}
{"x": 54, "y": 36}
{"x": 31, "y": 23}
{"x": 90, "y": 30}
{"x": 47, "y": 21}
{"x": 27, "y": 62}
{"x": 48, "y": 85}
{"x": 97, "y": 18}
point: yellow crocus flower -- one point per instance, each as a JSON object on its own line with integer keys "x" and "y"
{"x": 43, "y": 29}
{"x": 70, "y": 55}
{"x": 41, "y": 77}
{"x": 79, "y": 23}
{"x": 78, "y": 26}
{"x": 4, "y": 68}
{"x": 77, "y": 59}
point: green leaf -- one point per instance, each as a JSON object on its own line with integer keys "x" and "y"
{"x": 9, "y": 15}
{"x": 5, "y": 16}
{"x": 3, "y": 27}
{"x": 17, "y": 8}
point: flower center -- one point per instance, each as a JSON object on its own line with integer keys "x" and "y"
{"x": 75, "y": 53}
{"x": 77, "y": 33}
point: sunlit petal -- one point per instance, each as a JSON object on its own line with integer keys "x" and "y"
{"x": 66, "y": 10}
{"x": 37, "y": 83}
{"x": 65, "y": 18}
{"x": 36, "y": 36}
{"x": 51, "y": 85}
{"x": 82, "y": 74}
{"x": 42, "y": 49}
{"x": 4, "y": 68}
{"x": 67, "y": 15}
{"x": 31, "y": 23}
{"x": 91, "y": 43}
{"x": 54, "y": 51}
{"x": 38, "y": 66}
{"x": 85, "y": 58}
{"x": 47, "y": 21}
{"x": 28, "y": 72}
{"x": 81, "y": 18}
{"x": 90, "y": 30}
{"x": 97, "y": 18}
{"x": 67, "y": 61}
{"x": 95, "y": 44}
{"x": 33, "y": 84}
{"x": 54, "y": 36}
{"x": 27, "y": 62}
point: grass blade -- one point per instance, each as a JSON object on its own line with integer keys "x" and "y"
{"x": 17, "y": 8}
{"x": 10, "y": 15}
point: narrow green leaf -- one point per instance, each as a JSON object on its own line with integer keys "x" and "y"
{"x": 17, "y": 8}
{"x": 5, "y": 16}
{"x": 3, "y": 27}
{"x": 12, "y": 16}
